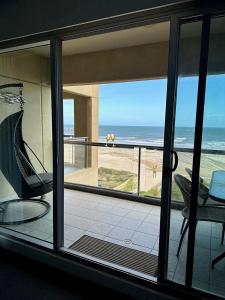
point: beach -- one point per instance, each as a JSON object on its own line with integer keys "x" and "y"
{"x": 117, "y": 168}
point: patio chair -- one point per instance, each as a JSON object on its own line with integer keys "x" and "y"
{"x": 203, "y": 190}
{"x": 18, "y": 170}
{"x": 204, "y": 212}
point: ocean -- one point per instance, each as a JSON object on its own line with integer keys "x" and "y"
{"x": 213, "y": 138}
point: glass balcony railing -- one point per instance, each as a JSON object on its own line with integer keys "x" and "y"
{"x": 75, "y": 155}
{"x": 132, "y": 169}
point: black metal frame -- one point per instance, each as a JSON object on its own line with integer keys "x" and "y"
{"x": 190, "y": 10}
{"x": 58, "y": 146}
{"x": 197, "y": 146}
{"x": 196, "y": 160}
{"x": 168, "y": 147}
{"x": 4, "y": 205}
{"x": 205, "y": 18}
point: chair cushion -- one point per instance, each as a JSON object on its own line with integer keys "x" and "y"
{"x": 33, "y": 181}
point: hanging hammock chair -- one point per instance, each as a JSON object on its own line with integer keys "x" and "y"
{"x": 17, "y": 167}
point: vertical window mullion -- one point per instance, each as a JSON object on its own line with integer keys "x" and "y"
{"x": 197, "y": 147}
{"x": 168, "y": 146}
{"x": 57, "y": 132}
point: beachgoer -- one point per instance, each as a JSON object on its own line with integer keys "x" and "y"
{"x": 154, "y": 170}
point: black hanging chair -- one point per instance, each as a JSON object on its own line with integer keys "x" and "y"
{"x": 18, "y": 170}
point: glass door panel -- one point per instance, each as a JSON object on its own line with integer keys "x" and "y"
{"x": 114, "y": 161}
{"x": 209, "y": 233}
{"x": 186, "y": 99}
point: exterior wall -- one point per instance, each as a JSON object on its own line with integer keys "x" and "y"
{"x": 32, "y": 71}
{"x": 86, "y": 109}
{"x": 86, "y": 125}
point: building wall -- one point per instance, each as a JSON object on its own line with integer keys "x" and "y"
{"x": 86, "y": 109}
{"x": 33, "y": 71}
{"x": 86, "y": 125}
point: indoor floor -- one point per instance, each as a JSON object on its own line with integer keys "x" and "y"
{"x": 135, "y": 225}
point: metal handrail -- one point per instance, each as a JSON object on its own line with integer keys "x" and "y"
{"x": 147, "y": 147}
{"x": 120, "y": 145}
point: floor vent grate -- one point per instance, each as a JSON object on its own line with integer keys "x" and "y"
{"x": 130, "y": 258}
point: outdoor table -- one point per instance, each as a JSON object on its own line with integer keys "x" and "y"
{"x": 217, "y": 186}
{"x": 217, "y": 193}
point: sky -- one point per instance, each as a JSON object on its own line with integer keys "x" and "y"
{"x": 68, "y": 112}
{"x": 142, "y": 103}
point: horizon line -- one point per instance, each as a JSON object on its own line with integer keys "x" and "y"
{"x": 151, "y": 126}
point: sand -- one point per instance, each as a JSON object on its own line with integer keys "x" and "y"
{"x": 127, "y": 160}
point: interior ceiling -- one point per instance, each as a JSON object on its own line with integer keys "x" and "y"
{"x": 148, "y": 34}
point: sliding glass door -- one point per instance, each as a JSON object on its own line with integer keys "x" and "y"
{"x": 192, "y": 235}
{"x": 183, "y": 141}
{"x": 114, "y": 91}
{"x": 209, "y": 249}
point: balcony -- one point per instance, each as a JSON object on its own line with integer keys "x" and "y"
{"x": 130, "y": 223}
{"x": 134, "y": 225}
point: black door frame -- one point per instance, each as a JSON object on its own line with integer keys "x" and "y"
{"x": 203, "y": 65}
{"x": 58, "y": 143}
{"x": 168, "y": 145}
{"x": 175, "y": 23}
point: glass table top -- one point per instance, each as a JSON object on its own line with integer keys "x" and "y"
{"x": 217, "y": 185}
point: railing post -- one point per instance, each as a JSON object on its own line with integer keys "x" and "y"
{"x": 72, "y": 154}
{"x": 139, "y": 170}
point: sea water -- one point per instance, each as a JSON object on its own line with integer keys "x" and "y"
{"x": 213, "y": 138}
